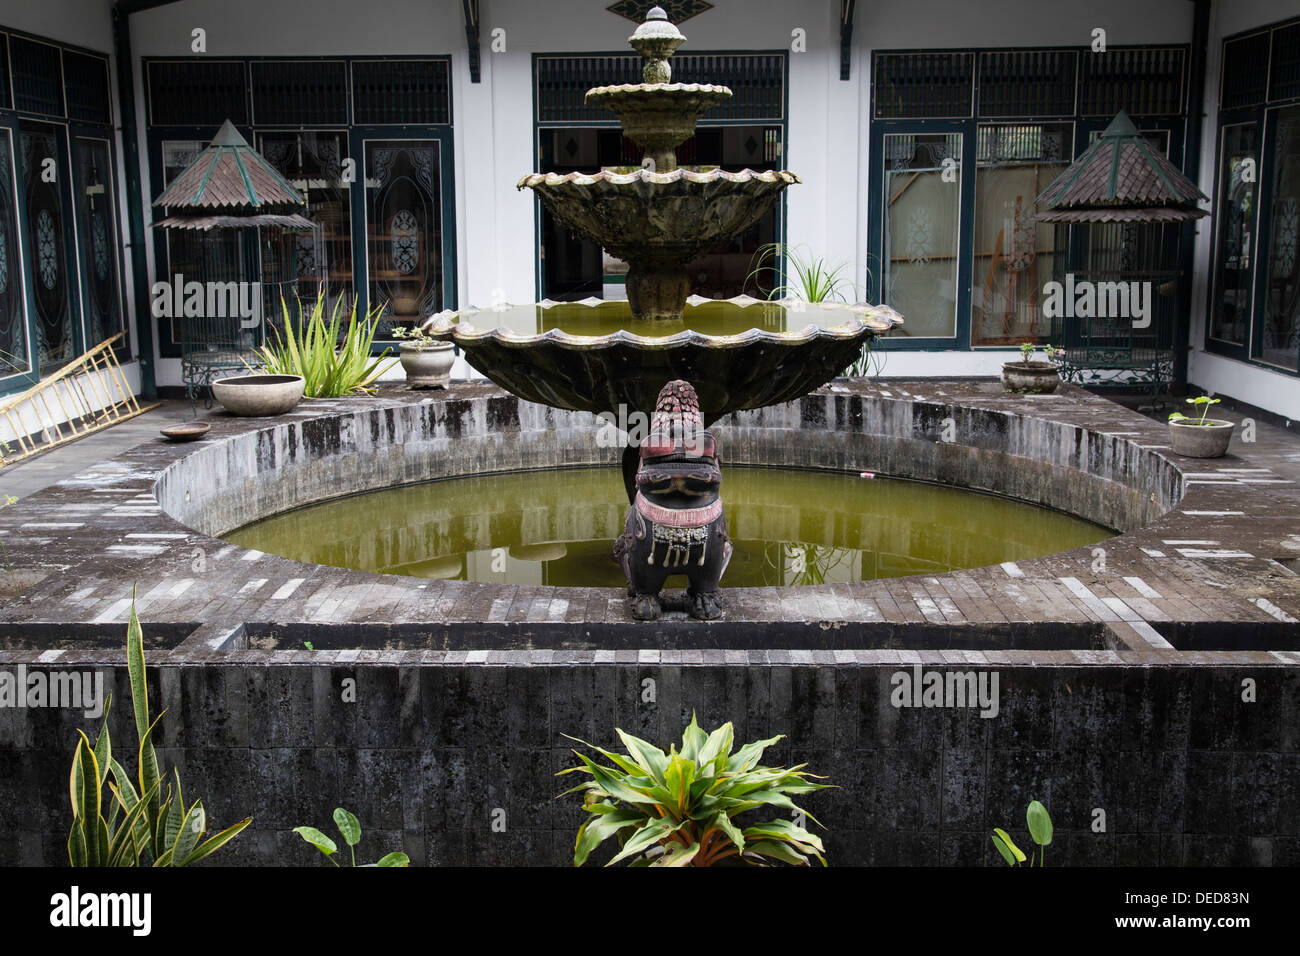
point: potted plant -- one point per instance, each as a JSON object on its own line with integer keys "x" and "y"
{"x": 679, "y": 808}
{"x": 1030, "y": 377}
{"x": 426, "y": 360}
{"x": 1199, "y": 437}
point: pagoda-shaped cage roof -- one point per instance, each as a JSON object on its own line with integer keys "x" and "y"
{"x": 1120, "y": 178}
{"x": 231, "y": 185}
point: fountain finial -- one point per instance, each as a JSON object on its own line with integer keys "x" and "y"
{"x": 655, "y": 40}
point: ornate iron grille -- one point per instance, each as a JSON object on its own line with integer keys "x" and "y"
{"x": 1245, "y": 72}
{"x": 37, "y": 76}
{"x": 1284, "y": 72}
{"x": 930, "y": 84}
{"x": 86, "y": 80}
{"x": 1145, "y": 81}
{"x": 300, "y": 92}
{"x": 1027, "y": 82}
{"x": 757, "y": 82}
{"x": 197, "y": 93}
{"x": 397, "y": 92}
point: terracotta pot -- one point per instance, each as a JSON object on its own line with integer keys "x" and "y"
{"x": 257, "y": 396}
{"x": 1033, "y": 378}
{"x": 427, "y": 365}
{"x": 1200, "y": 441}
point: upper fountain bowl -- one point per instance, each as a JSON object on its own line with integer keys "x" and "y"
{"x": 738, "y": 353}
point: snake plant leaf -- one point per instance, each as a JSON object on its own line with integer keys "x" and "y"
{"x": 317, "y": 839}
{"x": 1002, "y": 840}
{"x": 173, "y": 814}
{"x": 1040, "y": 824}
{"x": 647, "y": 756}
{"x": 596, "y": 831}
{"x": 394, "y": 859}
{"x": 646, "y": 837}
{"x": 104, "y": 748}
{"x": 77, "y": 844}
{"x": 192, "y": 827}
{"x": 212, "y": 844}
{"x": 349, "y": 826}
{"x": 126, "y": 850}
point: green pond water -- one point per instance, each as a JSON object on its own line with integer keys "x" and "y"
{"x": 708, "y": 318}
{"x": 558, "y": 527}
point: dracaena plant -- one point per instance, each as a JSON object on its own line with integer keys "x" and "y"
{"x": 679, "y": 808}
{"x": 1040, "y": 831}
{"x": 150, "y": 823}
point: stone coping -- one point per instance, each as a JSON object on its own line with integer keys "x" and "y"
{"x": 1197, "y": 564}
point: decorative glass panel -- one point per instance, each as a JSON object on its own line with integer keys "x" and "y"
{"x": 922, "y": 216}
{"x": 1234, "y": 252}
{"x": 1279, "y": 340}
{"x": 404, "y": 223}
{"x": 98, "y": 232}
{"x": 313, "y": 163}
{"x": 13, "y": 316}
{"x": 48, "y": 240}
{"x": 1014, "y": 255}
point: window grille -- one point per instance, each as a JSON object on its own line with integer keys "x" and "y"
{"x": 300, "y": 92}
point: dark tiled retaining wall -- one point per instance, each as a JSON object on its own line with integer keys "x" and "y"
{"x": 1121, "y": 684}
{"x": 434, "y": 746}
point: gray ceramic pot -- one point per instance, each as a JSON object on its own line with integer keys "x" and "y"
{"x": 428, "y": 365}
{"x": 1200, "y": 441}
{"x": 256, "y": 396}
{"x": 1034, "y": 378}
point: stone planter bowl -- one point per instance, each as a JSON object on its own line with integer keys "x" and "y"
{"x": 428, "y": 364}
{"x": 258, "y": 396}
{"x": 1200, "y": 441}
{"x": 1031, "y": 378}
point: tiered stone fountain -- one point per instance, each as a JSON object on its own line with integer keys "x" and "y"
{"x": 602, "y": 356}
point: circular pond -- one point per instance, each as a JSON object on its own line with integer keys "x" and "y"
{"x": 557, "y": 527}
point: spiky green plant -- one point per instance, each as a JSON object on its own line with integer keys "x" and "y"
{"x": 154, "y": 824}
{"x": 807, "y": 277}
{"x": 310, "y": 346}
{"x": 677, "y": 808}
{"x": 1040, "y": 831}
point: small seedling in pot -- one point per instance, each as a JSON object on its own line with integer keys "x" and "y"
{"x": 1040, "y": 830}
{"x": 1202, "y": 400}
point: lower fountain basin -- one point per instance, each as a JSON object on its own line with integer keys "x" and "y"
{"x": 592, "y": 356}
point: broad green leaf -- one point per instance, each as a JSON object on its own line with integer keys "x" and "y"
{"x": 677, "y": 780}
{"x": 317, "y": 839}
{"x": 733, "y": 832}
{"x": 747, "y": 757}
{"x": 1011, "y": 845}
{"x": 693, "y": 739}
{"x": 394, "y": 859}
{"x": 777, "y": 851}
{"x": 785, "y": 831}
{"x": 718, "y": 742}
{"x": 623, "y": 763}
{"x": 649, "y": 757}
{"x": 646, "y": 837}
{"x": 614, "y": 784}
{"x": 677, "y": 855}
{"x": 1003, "y": 849}
{"x": 1040, "y": 824}
{"x": 348, "y": 825}
{"x": 600, "y": 828}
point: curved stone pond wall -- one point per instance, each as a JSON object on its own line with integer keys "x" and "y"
{"x": 1106, "y": 479}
